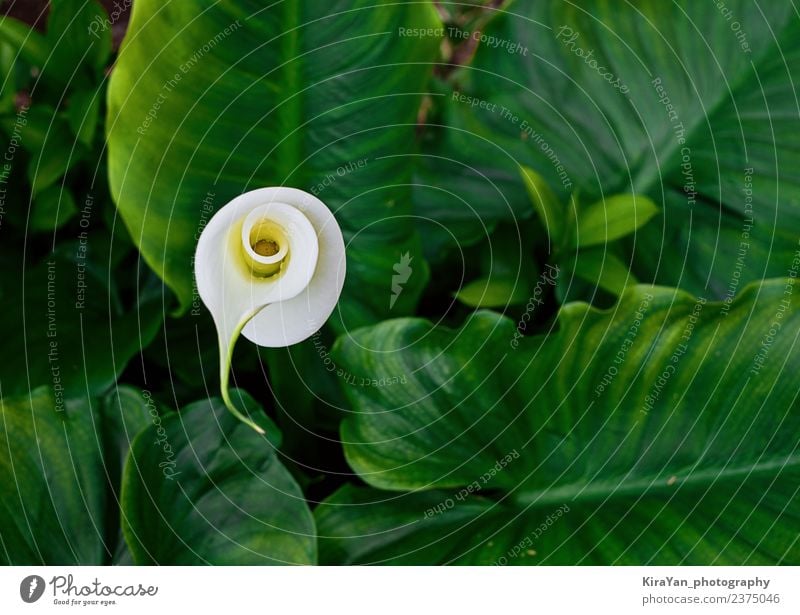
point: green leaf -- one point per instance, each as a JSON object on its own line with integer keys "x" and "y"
{"x": 126, "y": 412}
{"x": 493, "y": 292}
{"x": 80, "y": 36}
{"x": 550, "y": 211}
{"x": 202, "y": 487}
{"x": 648, "y": 421}
{"x": 15, "y": 73}
{"x": 610, "y": 219}
{"x": 233, "y": 97}
{"x": 722, "y": 159}
{"x": 84, "y": 115}
{"x": 52, "y": 207}
{"x": 63, "y": 325}
{"x": 52, "y": 146}
{"x": 60, "y": 466}
{"x": 600, "y": 267}
{"x": 31, "y": 125}
{"x": 506, "y": 269}
{"x": 25, "y": 41}
{"x": 52, "y": 482}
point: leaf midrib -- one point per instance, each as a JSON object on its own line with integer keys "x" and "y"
{"x": 708, "y": 478}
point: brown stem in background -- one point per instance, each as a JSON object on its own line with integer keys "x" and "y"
{"x": 472, "y": 19}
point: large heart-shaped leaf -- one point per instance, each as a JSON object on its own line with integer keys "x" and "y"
{"x": 202, "y": 487}
{"x": 52, "y": 483}
{"x": 663, "y": 429}
{"x": 694, "y": 106}
{"x": 209, "y": 101}
{"x": 60, "y": 467}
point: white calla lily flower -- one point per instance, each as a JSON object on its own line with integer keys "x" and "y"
{"x": 270, "y": 265}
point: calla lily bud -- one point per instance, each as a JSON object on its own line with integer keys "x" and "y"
{"x": 270, "y": 265}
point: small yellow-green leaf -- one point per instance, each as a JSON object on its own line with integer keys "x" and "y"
{"x": 612, "y": 218}
{"x": 544, "y": 200}
{"x": 493, "y": 292}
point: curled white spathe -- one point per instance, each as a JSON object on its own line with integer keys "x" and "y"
{"x": 270, "y": 264}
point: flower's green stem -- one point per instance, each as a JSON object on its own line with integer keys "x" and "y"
{"x": 225, "y": 357}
